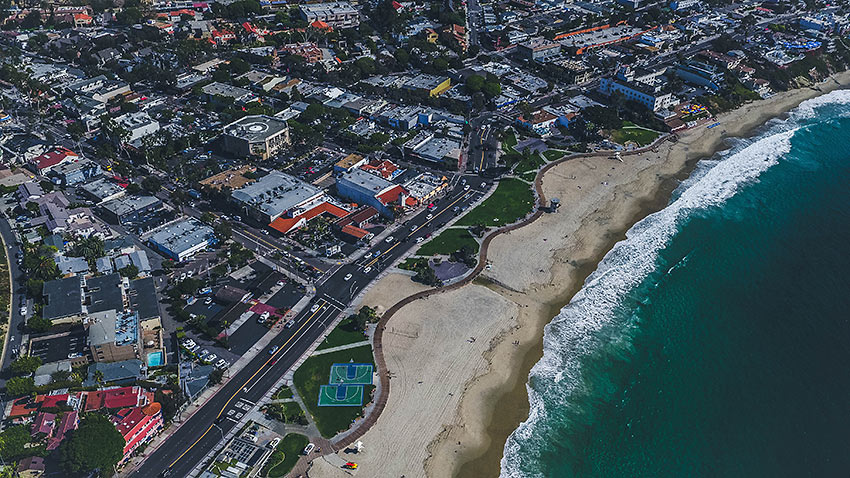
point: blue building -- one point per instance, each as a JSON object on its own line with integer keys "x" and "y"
{"x": 701, "y": 74}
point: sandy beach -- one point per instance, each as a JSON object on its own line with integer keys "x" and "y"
{"x": 472, "y": 393}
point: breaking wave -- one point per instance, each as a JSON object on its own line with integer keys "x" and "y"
{"x": 595, "y": 330}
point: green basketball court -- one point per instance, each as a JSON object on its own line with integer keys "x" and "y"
{"x": 351, "y": 374}
{"x": 340, "y": 396}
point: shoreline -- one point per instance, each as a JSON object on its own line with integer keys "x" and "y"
{"x": 464, "y": 397}
{"x": 485, "y": 459}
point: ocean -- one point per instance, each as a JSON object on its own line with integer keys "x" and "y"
{"x": 714, "y": 339}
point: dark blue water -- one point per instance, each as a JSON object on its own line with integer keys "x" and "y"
{"x": 715, "y": 341}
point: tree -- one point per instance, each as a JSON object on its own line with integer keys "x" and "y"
{"x": 223, "y": 230}
{"x": 19, "y": 386}
{"x": 216, "y": 376}
{"x": 474, "y": 83}
{"x": 151, "y": 184}
{"x": 14, "y": 441}
{"x": 133, "y": 189}
{"x": 25, "y": 365}
{"x": 130, "y": 271}
{"x": 492, "y": 89}
{"x": 96, "y": 445}
{"x": 91, "y": 248}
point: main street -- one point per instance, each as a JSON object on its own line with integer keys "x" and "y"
{"x": 202, "y": 431}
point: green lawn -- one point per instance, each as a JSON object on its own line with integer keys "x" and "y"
{"x": 636, "y": 134}
{"x": 529, "y": 176}
{"x": 345, "y": 333}
{"x": 286, "y": 455}
{"x": 512, "y": 200}
{"x": 449, "y": 241}
{"x": 315, "y": 371}
{"x": 530, "y": 163}
{"x": 509, "y": 142}
{"x": 283, "y": 393}
{"x": 553, "y": 154}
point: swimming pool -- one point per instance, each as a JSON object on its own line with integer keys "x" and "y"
{"x": 154, "y": 359}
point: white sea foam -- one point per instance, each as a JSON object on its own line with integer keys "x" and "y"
{"x": 576, "y": 331}
{"x": 808, "y": 108}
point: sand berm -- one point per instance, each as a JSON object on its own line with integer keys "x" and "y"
{"x": 454, "y": 401}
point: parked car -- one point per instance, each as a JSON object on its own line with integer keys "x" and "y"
{"x": 309, "y": 448}
{"x": 222, "y": 364}
{"x": 208, "y": 301}
{"x": 273, "y": 444}
{"x": 210, "y": 358}
{"x": 290, "y": 324}
{"x": 419, "y": 239}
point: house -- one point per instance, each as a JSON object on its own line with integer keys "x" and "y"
{"x": 307, "y": 50}
{"x": 348, "y": 163}
{"x": 335, "y": 14}
{"x": 42, "y": 426}
{"x": 138, "y": 425}
{"x": 75, "y": 172}
{"x": 539, "y": 122}
{"x": 455, "y": 35}
{"x": 129, "y": 209}
{"x": 116, "y": 398}
{"x": 64, "y": 300}
{"x": 44, "y": 163}
{"x": 69, "y": 422}
{"x": 116, "y": 373}
{"x": 31, "y": 467}
{"x": 538, "y": 49}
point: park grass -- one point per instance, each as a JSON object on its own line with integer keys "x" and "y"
{"x": 412, "y": 263}
{"x": 449, "y": 241}
{"x": 314, "y": 372}
{"x": 509, "y": 142}
{"x": 635, "y": 134}
{"x": 345, "y": 333}
{"x": 511, "y": 201}
{"x": 283, "y": 393}
{"x": 286, "y": 454}
{"x": 529, "y": 176}
{"x": 530, "y": 163}
{"x": 554, "y": 154}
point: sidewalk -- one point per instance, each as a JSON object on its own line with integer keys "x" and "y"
{"x": 341, "y": 347}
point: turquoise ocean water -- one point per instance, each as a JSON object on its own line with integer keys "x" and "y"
{"x": 715, "y": 339}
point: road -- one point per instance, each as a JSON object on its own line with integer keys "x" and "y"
{"x": 16, "y": 320}
{"x": 201, "y": 432}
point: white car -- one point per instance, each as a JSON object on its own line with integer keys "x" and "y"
{"x": 466, "y": 188}
{"x": 429, "y": 217}
{"x": 389, "y": 239}
{"x": 367, "y": 270}
{"x": 208, "y": 301}
{"x": 264, "y": 316}
{"x": 24, "y": 310}
{"x": 273, "y": 444}
{"x": 348, "y": 277}
{"x": 222, "y": 364}
{"x": 368, "y": 255}
{"x": 413, "y": 228}
{"x": 419, "y": 239}
{"x": 203, "y": 354}
{"x": 210, "y": 358}
{"x": 314, "y": 308}
{"x": 309, "y": 448}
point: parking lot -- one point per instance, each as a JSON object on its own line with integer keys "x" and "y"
{"x": 60, "y": 346}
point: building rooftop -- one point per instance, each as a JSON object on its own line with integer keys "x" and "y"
{"x": 129, "y": 204}
{"x": 223, "y": 89}
{"x": 64, "y": 298}
{"x": 276, "y": 193}
{"x": 255, "y": 128}
{"x": 104, "y": 293}
{"x": 143, "y": 300}
{"x": 367, "y": 180}
{"x": 102, "y": 188}
{"x": 233, "y": 178}
{"x": 182, "y": 235}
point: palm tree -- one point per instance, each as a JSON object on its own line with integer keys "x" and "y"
{"x": 98, "y": 377}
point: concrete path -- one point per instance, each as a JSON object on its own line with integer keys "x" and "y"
{"x": 341, "y": 347}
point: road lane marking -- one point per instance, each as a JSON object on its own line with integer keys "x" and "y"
{"x": 239, "y": 389}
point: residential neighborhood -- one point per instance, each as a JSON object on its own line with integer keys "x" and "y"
{"x": 196, "y": 195}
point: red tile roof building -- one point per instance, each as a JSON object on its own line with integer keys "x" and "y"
{"x": 70, "y": 421}
{"x": 123, "y": 397}
{"x": 49, "y": 160}
{"x": 138, "y": 425}
{"x": 286, "y": 224}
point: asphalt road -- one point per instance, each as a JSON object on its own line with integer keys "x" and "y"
{"x": 184, "y": 449}
{"x": 16, "y": 321}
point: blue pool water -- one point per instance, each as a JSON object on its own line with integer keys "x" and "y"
{"x": 154, "y": 359}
